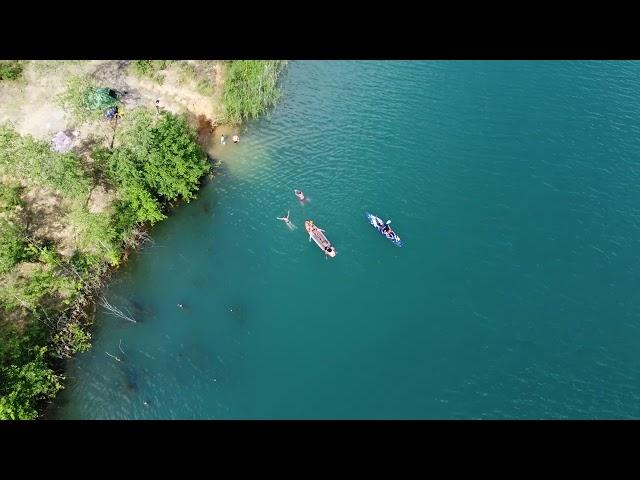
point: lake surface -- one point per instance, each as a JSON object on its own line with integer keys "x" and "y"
{"x": 514, "y": 187}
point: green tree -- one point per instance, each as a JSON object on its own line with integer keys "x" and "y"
{"x": 75, "y": 97}
{"x": 24, "y": 387}
{"x": 158, "y": 158}
{"x": 176, "y": 162}
{"x": 136, "y": 201}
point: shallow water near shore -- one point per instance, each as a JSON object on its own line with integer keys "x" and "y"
{"x": 514, "y": 187}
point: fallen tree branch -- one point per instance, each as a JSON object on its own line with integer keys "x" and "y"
{"x": 115, "y": 311}
{"x": 113, "y": 356}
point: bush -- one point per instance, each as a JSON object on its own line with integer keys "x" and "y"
{"x": 96, "y": 233}
{"x": 136, "y": 201}
{"x": 12, "y": 246}
{"x": 250, "y": 88}
{"x": 49, "y": 256}
{"x": 12, "y": 240}
{"x": 10, "y": 69}
{"x": 86, "y": 265}
{"x": 10, "y": 148}
{"x": 24, "y": 387}
{"x": 175, "y": 162}
{"x": 70, "y": 340}
{"x": 150, "y": 69}
{"x": 10, "y": 197}
{"x": 159, "y": 157}
{"x": 30, "y": 292}
{"x": 80, "y": 99}
{"x": 29, "y": 159}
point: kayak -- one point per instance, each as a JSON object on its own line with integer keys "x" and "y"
{"x": 379, "y": 225}
{"x": 299, "y": 194}
{"x": 318, "y": 236}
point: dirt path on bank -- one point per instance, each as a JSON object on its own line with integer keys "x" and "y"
{"x": 31, "y": 106}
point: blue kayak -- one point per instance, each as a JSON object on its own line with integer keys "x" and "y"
{"x": 379, "y": 225}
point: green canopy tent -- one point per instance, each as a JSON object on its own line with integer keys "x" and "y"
{"x": 101, "y": 99}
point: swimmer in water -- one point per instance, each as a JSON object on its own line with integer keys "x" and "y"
{"x": 287, "y": 221}
{"x": 180, "y": 305}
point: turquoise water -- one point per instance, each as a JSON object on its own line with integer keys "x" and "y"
{"x": 513, "y": 186}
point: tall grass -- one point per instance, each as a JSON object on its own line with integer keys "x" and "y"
{"x": 149, "y": 68}
{"x": 199, "y": 75}
{"x": 43, "y": 67}
{"x": 250, "y": 88}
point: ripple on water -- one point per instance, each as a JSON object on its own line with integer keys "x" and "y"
{"x": 513, "y": 186}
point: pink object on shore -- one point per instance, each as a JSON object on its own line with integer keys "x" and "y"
{"x": 62, "y": 142}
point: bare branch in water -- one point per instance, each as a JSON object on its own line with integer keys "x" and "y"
{"x": 145, "y": 238}
{"x": 115, "y": 311}
{"x": 113, "y": 356}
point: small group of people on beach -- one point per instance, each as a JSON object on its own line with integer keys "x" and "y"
{"x": 235, "y": 138}
{"x": 223, "y": 138}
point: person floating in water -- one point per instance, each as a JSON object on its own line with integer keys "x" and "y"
{"x": 236, "y": 138}
{"x": 287, "y": 221}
